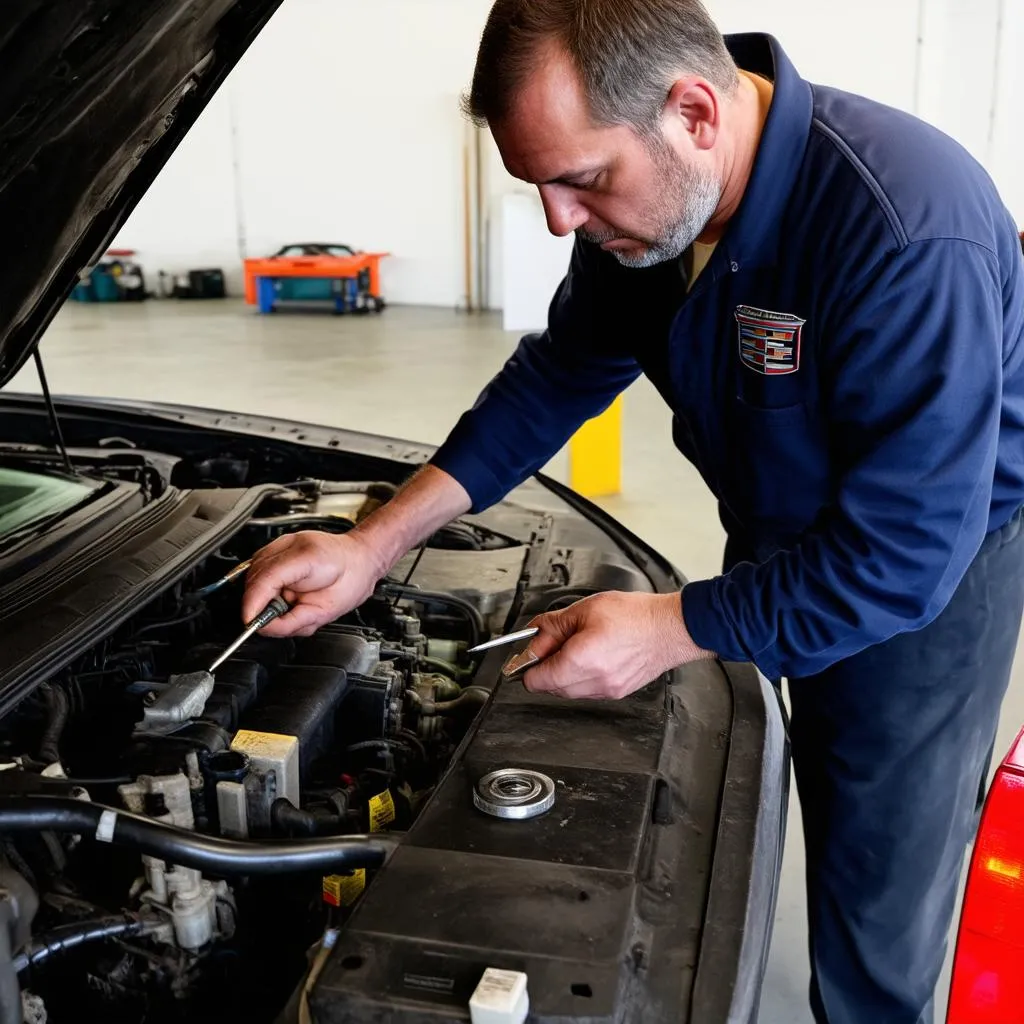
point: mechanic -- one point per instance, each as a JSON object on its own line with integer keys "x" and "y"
{"x": 830, "y": 296}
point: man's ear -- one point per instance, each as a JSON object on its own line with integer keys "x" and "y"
{"x": 692, "y": 113}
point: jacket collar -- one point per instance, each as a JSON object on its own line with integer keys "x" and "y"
{"x": 753, "y": 236}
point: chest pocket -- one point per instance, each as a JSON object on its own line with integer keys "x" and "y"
{"x": 778, "y": 476}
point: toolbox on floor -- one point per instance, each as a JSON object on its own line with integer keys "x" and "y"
{"x": 116, "y": 278}
{"x": 206, "y": 283}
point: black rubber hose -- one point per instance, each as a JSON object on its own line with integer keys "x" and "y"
{"x": 69, "y": 936}
{"x": 444, "y": 667}
{"x": 294, "y": 821}
{"x": 106, "y": 780}
{"x": 212, "y": 854}
{"x": 58, "y": 704}
{"x": 414, "y": 740}
{"x": 472, "y": 616}
{"x": 291, "y": 820}
{"x": 181, "y": 620}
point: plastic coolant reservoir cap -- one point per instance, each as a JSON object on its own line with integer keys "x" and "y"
{"x": 500, "y": 998}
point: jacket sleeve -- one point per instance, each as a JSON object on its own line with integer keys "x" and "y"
{"x": 911, "y": 378}
{"x": 547, "y": 389}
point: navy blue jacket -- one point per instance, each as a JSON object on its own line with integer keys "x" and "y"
{"x": 847, "y": 375}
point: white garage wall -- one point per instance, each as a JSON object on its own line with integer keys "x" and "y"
{"x": 342, "y": 124}
{"x": 187, "y": 218}
{"x": 868, "y": 46}
{"x": 1006, "y": 153}
{"x": 349, "y": 129}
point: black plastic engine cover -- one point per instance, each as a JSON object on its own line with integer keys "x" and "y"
{"x": 258, "y": 689}
{"x": 302, "y": 702}
{"x": 601, "y": 901}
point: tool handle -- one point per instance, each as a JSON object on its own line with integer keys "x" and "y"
{"x": 519, "y": 664}
{"x": 277, "y": 607}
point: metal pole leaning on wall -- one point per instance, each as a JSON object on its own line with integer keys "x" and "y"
{"x": 481, "y": 251}
{"x": 474, "y": 219}
{"x": 467, "y": 221}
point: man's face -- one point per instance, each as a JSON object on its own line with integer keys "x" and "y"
{"x": 643, "y": 200}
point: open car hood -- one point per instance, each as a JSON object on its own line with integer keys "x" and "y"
{"x": 94, "y": 97}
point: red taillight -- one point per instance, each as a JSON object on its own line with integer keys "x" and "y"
{"x": 988, "y": 970}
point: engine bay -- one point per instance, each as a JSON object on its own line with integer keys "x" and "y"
{"x": 298, "y": 838}
{"x": 339, "y": 735}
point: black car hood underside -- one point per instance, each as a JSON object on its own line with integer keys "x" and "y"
{"x": 95, "y": 95}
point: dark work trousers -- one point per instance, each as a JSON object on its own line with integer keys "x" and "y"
{"x": 889, "y": 749}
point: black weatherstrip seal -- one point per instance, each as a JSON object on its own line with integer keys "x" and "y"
{"x": 49, "y": 631}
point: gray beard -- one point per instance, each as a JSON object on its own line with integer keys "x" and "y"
{"x": 687, "y": 202}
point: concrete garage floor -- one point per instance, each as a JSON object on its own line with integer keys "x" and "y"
{"x": 409, "y": 373}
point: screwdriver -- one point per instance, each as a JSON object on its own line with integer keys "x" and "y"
{"x": 509, "y": 638}
{"x": 277, "y": 607}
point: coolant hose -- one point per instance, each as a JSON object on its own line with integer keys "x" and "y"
{"x": 471, "y": 696}
{"x": 68, "y": 936}
{"x": 212, "y": 854}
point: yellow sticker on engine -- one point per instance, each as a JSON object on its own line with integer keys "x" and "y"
{"x": 382, "y": 811}
{"x": 344, "y": 890}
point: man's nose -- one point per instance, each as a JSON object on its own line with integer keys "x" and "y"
{"x": 564, "y": 212}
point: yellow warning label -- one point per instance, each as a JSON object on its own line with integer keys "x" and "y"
{"x": 382, "y": 811}
{"x": 344, "y": 890}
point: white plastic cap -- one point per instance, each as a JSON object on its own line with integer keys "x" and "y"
{"x": 500, "y": 998}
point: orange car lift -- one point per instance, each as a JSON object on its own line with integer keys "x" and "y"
{"x": 338, "y": 268}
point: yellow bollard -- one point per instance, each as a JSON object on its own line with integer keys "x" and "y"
{"x": 595, "y": 454}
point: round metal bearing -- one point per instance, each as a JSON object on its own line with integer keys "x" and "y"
{"x": 517, "y": 793}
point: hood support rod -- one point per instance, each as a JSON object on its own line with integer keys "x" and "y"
{"x": 51, "y": 410}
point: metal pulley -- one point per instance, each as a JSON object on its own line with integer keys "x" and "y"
{"x": 516, "y": 793}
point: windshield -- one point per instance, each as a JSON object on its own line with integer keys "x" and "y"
{"x": 28, "y": 498}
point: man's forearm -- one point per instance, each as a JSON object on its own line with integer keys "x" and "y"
{"x": 429, "y": 500}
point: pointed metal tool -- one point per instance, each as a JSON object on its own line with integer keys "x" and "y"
{"x": 279, "y": 606}
{"x": 507, "y": 638}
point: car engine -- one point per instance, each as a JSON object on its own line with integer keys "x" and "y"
{"x": 342, "y": 734}
{"x": 363, "y": 824}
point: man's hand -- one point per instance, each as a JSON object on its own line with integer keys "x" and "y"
{"x": 322, "y": 575}
{"x": 610, "y": 645}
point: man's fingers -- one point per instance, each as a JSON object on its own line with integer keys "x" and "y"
{"x": 555, "y": 629}
{"x": 302, "y": 618}
{"x": 587, "y": 690}
{"x": 544, "y": 644}
{"x": 556, "y": 672}
{"x": 268, "y": 578}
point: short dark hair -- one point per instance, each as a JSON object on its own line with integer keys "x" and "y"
{"x": 626, "y": 52}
